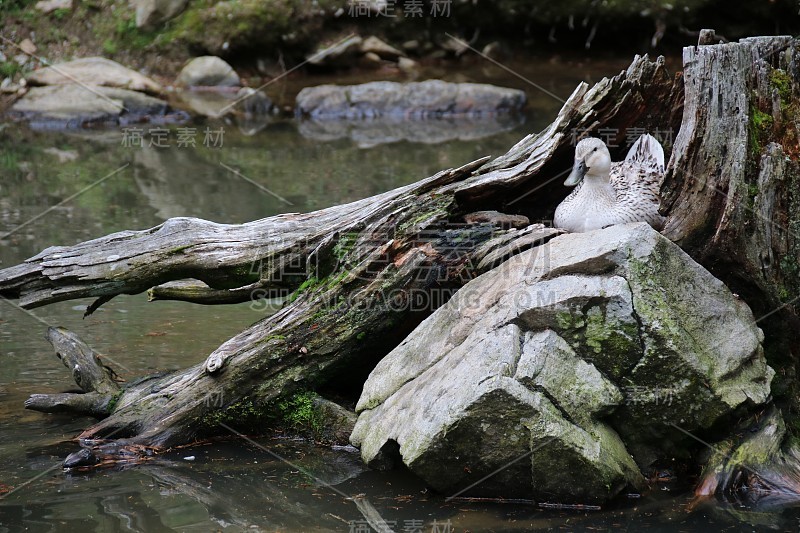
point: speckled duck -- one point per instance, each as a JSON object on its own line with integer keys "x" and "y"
{"x": 609, "y": 193}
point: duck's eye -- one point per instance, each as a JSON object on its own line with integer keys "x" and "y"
{"x": 594, "y": 149}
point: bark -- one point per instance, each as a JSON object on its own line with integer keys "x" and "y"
{"x": 733, "y": 185}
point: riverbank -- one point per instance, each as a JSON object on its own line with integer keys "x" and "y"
{"x": 262, "y": 40}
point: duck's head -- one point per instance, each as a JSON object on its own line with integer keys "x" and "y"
{"x": 591, "y": 158}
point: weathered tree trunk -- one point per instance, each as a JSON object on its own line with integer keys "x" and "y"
{"x": 352, "y": 272}
{"x": 732, "y": 189}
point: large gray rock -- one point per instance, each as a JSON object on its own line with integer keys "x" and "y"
{"x": 94, "y": 71}
{"x": 426, "y": 99}
{"x": 563, "y": 370}
{"x": 75, "y": 105}
{"x": 208, "y": 71}
{"x": 153, "y": 13}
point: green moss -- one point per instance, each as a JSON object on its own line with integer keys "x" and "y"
{"x": 761, "y": 121}
{"x": 567, "y": 320}
{"x": 113, "y": 26}
{"x": 239, "y": 23}
{"x": 112, "y": 403}
{"x": 780, "y": 80}
{"x": 299, "y": 413}
{"x": 109, "y": 47}
{"x": 758, "y": 132}
{"x": 438, "y": 209}
{"x": 308, "y": 285}
{"x": 244, "y": 414}
{"x": 60, "y": 13}
{"x": 752, "y": 192}
{"x": 9, "y": 69}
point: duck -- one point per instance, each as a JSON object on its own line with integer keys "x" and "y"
{"x": 609, "y": 193}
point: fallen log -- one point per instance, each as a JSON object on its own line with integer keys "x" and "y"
{"x": 357, "y": 278}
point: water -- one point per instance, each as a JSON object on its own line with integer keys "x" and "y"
{"x": 234, "y": 484}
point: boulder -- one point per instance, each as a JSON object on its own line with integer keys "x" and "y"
{"x": 153, "y": 13}
{"x": 426, "y": 99}
{"x": 75, "y": 105}
{"x": 94, "y": 71}
{"x": 208, "y": 71}
{"x": 565, "y": 372}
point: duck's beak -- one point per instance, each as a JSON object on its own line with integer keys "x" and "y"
{"x": 577, "y": 174}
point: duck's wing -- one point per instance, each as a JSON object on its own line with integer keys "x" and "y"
{"x": 647, "y": 153}
{"x": 632, "y": 181}
{"x": 638, "y": 193}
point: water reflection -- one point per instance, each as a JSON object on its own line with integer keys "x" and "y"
{"x": 370, "y": 133}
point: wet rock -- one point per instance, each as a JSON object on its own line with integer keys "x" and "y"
{"x": 212, "y": 104}
{"x": 152, "y": 13}
{"x": 337, "y": 421}
{"x": 371, "y": 60}
{"x": 376, "y": 46}
{"x": 575, "y": 356}
{"x": 215, "y": 104}
{"x": 48, "y": 6}
{"x": 76, "y": 105}
{"x": 208, "y": 71}
{"x": 427, "y": 99}
{"x": 94, "y": 71}
{"x": 83, "y": 457}
{"x": 408, "y": 66}
{"x": 342, "y": 54}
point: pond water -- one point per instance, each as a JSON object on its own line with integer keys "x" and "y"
{"x": 67, "y": 187}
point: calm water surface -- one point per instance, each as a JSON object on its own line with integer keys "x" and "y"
{"x": 231, "y": 485}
